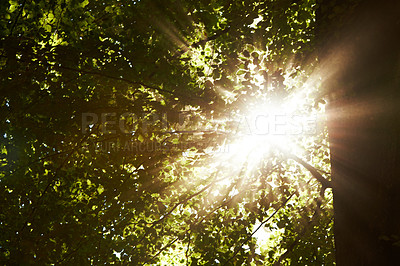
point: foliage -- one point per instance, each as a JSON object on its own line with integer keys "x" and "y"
{"x": 154, "y": 191}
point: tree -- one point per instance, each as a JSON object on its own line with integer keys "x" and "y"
{"x": 363, "y": 128}
{"x": 110, "y": 111}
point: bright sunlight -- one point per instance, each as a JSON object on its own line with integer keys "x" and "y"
{"x": 268, "y": 124}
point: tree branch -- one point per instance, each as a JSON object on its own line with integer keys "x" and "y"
{"x": 298, "y": 238}
{"x": 314, "y": 172}
{"x": 202, "y": 42}
{"x": 161, "y": 250}
{"x": 32, "y": 213}
{"x": 261, "y": 225}
{"x": 16, "y": 19}
{"x": 110, "y": 77}
{"x": 185, "y": 200}
{"x": 211, "y": 38}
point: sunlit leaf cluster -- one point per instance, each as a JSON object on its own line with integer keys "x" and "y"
{"x": 122, "y": 136}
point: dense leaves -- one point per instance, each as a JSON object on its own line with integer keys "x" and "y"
{"x": 112, "y": 114}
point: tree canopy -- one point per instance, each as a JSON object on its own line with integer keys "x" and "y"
{"x": 126, "y": 134}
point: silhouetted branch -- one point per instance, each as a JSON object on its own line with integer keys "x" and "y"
{"x": 161, "y": 250}
{"x": 202, "y": 42}
{"x": 261, "y": 225}
{"x": 314, "y": 172}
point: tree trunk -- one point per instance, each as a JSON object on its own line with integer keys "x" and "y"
{"x": 360, "y": 58}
